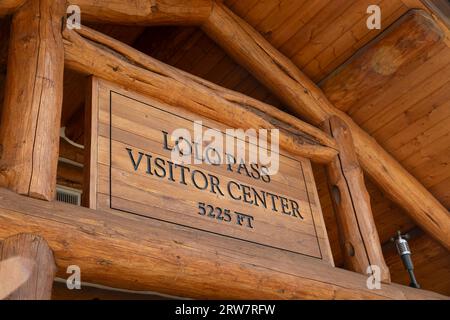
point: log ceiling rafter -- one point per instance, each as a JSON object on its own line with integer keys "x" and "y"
{"x": 306, "y": 100}
{"x": 435, "y": 9}
{"x": 145, "y": 12}
{"x": 281, "y": 76}
{"x": 85, "y": 52}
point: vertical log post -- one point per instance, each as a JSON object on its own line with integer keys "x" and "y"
{"x": 29, "y": 131}
{"x": 351, "y": 201}
{"x": 306, "y": 100}
{"x": 27, "y": 268}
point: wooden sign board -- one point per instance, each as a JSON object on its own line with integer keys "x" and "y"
{"x": 131, "y": 171}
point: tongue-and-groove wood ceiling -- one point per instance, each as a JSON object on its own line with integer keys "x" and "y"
{"x": 407, "y": 111}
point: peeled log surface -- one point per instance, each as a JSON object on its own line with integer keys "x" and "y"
{"x": 29, "y": 132}
{"x": 361, "y": 245}
{"x": 9, "y": 6}
{"x": 131, "y": 252}
{"x": 413, "y": 34}
{"x": 35, "y": 259}
{"x": 306, "y": 100}
{"x": 128, "y": 67}
{"x": 145, "y": 12}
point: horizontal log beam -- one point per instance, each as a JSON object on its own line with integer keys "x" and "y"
{"x": 145, "y": 12}
{"x": 134, "y": 70}
{"x": 137, "y": 253}
{"x": 306, "y": 100}
{"x": 9, "y": 6}
{"x": 381, "y": 61}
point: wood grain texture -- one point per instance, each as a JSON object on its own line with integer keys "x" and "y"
{"x": 359, "y": 237}
{"x": 69, "y": 175}
{"x": 9, "y": 6}
{"x": 95, "y": 292}
{"x": 142, "y": 254}
{"x": 70, "y": 151}
{"x": 90, "y": 143}
{"x": 408, "y": 113}
{"x": 29, "y": 133}
{"x": 431, "y": 262}
{"x": 411, "y": 35}
{"x": 143, "y": 12}
{"x": 191, "y": 93}
{"x": 128, "y": 120}
{"x": 42, "y": 268}
{"x": 306, "y": 100}
{"x": 250, "y": 49}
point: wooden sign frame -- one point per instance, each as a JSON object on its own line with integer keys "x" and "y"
{"x": 101, "y": 93}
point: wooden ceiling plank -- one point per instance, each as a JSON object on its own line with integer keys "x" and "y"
{"x": 416, "y": 119}
{"x": 232, "y": 79}
{"x": 173, "y": 49}
{"x": 435, "y": 170}
{"x": 390, "y": 221}
{"x": 212, "y": 55}
{"x": 384, "y": 60}
{"x": 409, "y": 75}
{"x": 215, "y": 73}
{"x": 434, "y": 142}
{"x": 274, "y": 101}
{"x": 259, "y": 92}
{"x": 248, "y": 47}
{"x": 243, "y": 7}
{"x": 196, "y": 53}
{"x": 345, "y": 46}
{"x": 298, "y": 21}
{"x": 325, "y": 18}
{"x": 442, "y": 192}
{"x": 220, "y": 70}
{"x": 188, "y": 43}
{"x": 431, "y": 264}
{"x": 260, "y": 11}
{"x": 188, "y": 91}
{"x": 154, "y": 41}
{"x": 287, "y": 9}
{"x": 353, "y": 15}
{"x": 426, "y": 142}
{"x": 247, "y": 85}
{"x": 405, "y": 101}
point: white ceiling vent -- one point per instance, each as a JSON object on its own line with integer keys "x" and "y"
{"x": 68, "y": 195}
